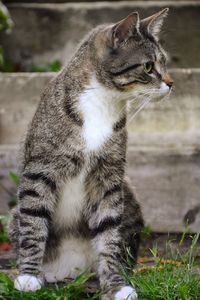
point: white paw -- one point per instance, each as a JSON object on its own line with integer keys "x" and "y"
{"x": 126, "y": 293}
{"x": 50, "y": 277}
{"x": 27, "y": 283}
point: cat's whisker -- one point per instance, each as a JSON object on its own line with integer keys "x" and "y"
{"x": 133, "y": 100}
{"x": 139, "y": 109}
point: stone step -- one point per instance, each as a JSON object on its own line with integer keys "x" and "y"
{"x": 166, "y": 182}
{"x": 163, "y": 152}
{"x": 66, "y": 1}
{"x": 49, "y": 31}
{"x": 69, "y": 1}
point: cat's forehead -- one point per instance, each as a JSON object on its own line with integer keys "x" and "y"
{"x": 137, "y": 52}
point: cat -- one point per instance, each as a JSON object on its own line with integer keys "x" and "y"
{"x": 76, "y": 210}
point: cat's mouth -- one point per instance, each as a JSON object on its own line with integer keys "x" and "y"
{"x": 160, "y": 93}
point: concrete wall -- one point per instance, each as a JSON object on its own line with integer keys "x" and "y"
{"x": 45, "y": 32}
{"x": 163, "y": 152}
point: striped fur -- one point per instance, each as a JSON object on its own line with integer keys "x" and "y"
{"x": 76, "y": 210}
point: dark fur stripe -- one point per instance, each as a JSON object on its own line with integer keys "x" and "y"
{"x": 123, "y": 71}
{"x": 32, "y": 263}
{"x": 115, "y": 189}
{"x": 35, "y": 252}
{"x": 70, "y": 111}
{"x": 30, "y": 270}
{"x": 40, "y": 176}
{"x": 106, "y": 224}
{"x": 25, "y": 246}
{"x": 40, "y": 212}
{"x": 24, "y": 223}
{"x": 34, "y": 242}
{"x": 29, "y": 192}
{"x": 114, "y": 244}
{"x": 120, "y": 124}
{"x": 94, "y": 207}
{"x": 77, "y": 161}
{"x": 108, "y": 255}
{"x": 117, "y": 280}
{"x": 28, "y": 232}
{"x": 44, "y": 159}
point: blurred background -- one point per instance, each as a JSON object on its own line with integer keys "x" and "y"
{"x": 38, "y": 37}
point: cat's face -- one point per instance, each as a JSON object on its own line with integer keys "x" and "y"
{"x": 131, "y": 59}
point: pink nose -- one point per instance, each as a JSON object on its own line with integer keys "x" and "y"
{"x": 169, "y": 83}
{"x": 168, "y": 80}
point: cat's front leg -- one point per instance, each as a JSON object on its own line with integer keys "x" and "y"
{"x": 124, "y": 293}
{"x": 32, "y": 240}
{"x": 105, "y": 226}
{"x": 28, "y": 282}
{"x": 36, "y": 201}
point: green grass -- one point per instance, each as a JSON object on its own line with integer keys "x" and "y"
{"x": 172, "y": 279}
{"x": 74, "y": 290}
{"x": 167, "y": 283}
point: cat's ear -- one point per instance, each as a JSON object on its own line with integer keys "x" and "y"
{"x": 154, "y": 23}
{"x": 124, "y": 29}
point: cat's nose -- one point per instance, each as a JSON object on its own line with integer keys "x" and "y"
{"x": 168, "y": 80}
{"x": 169, "y": 83}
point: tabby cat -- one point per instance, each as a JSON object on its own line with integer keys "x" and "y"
{"x": 76, "y": 210}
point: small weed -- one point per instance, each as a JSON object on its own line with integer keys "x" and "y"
{"x": 168, "y": 279}
{"x": 14, "y": 178}
{"x": 146, "y": 232}
{"x": 13, "y": 197}
{"x": 3, "y": 229}
{"x": 53, "y": 66}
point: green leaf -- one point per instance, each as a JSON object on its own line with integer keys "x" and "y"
{"x": 14, "y": 178}
{"x": 53, "y": 66}
{"x": 6, "y": 22}
{"x": 83, "y": 278}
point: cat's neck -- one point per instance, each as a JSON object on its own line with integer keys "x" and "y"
{"x": 101, "y": 109}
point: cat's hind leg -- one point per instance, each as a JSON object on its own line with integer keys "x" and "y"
{"x": 14, "y": 228}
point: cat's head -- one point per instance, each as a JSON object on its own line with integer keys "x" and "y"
{"x": 129, "y": 57}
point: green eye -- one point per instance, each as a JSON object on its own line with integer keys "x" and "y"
{"x": 148, "y": 67}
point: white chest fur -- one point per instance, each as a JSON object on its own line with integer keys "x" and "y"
{"x": 100, "y": 108}
{"x": 71, "y": 202}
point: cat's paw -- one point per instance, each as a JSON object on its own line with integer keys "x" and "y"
{"x": 126, "y": 293}
{"x": 27, "y": 283}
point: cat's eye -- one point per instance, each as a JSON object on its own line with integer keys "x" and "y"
{"x": 148, "y": 67}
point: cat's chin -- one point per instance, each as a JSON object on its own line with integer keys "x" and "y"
{"x": 160, "y": 97}
{"x": 161, "y": 94}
